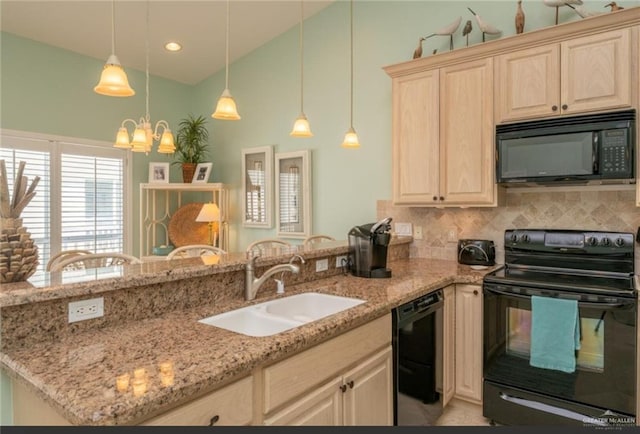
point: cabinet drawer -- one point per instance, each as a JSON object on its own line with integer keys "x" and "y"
{"x": 297, "y": 374}
{"x": 231, "y": 404}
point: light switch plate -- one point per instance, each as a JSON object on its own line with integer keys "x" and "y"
{"x": 322, "y": 265}
{"x": 404, "y": 229}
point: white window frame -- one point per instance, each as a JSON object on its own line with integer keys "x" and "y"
{"x": 60, "y": 144}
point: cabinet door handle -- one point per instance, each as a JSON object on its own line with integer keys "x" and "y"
{"x": 343, "y": 388}
{"x": 564, "y": 106}
{"x": 441, "y": 197}
{"x": 475, "y": 292}
{"x": 350, "y": 384}
{"x": 435, "y": 197}
{"x": 214, "y": 419}
{"x": 554, "y": 108}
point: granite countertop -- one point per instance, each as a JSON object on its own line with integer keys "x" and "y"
{"x": 173, "y": 358}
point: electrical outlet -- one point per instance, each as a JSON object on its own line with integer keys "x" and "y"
{"x": 341, "y": 261}
{"x": 452, "y": 235}
{"x": 322, "y": 265}
{"x": 404, "y": 229}
{"x": 417, "y": 232}
{"x": 86, "y": 309}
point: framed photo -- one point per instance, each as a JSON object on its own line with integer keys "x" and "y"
{"x": 257, "y": 187}
{"x": 293, "y": 194}
{"x": 201, "y": 175}
{"x": 159, "y": 173}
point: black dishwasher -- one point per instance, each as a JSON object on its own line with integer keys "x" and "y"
{"x": 417, "y": 331}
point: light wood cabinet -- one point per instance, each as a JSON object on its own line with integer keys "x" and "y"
{"x": 368, "y": 399}
{"x": 443, "y": 136}
{"x": 344, "y": 381}
{"x": 590, "y": 73}
{"x": 448, "y": 345}
{"x": 361, "y": 396}
{"x": 468, "y": 343}
{"x": 231, "y": 405}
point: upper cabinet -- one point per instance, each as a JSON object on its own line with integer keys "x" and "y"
{"x": 435, "y": 161}
{"x": 590, "y": 73}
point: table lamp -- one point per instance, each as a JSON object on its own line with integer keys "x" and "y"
{"x": 209, "y": 213}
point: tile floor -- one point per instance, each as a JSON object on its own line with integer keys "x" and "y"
{"x": 462, "y": 413}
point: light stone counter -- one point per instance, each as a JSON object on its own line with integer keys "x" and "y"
{"x": 183, "y": 359}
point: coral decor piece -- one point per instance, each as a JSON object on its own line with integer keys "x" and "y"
{"x": 519, "y": 18}
{"x": 18, "y": 252}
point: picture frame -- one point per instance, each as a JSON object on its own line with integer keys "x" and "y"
{"x": 257, "y": 187}
{"x": 293, "y": 194}
{"x": 158, "y": 173}
{"x": 201, "y": 175}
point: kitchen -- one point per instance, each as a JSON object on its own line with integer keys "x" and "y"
{"x": 334, "y": 213}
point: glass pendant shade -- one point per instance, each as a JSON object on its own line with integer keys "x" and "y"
{"x": 139, "y": 142}
{"x": 226, "y": 108}
{"x": 113, "y": 80}
{"x": 301, "y": 127}
{"x": 351, "y": 139}
{"x": 167, "y": 145}
{"x": 122, "y": 139}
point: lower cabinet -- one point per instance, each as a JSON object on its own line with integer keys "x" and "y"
{"x": 449, "y": 345}
{"x": 347, "y": 380}
{"x": 468, "y": 347}
{"x": 231, "y": 405}
{"x": 362, "y": 396}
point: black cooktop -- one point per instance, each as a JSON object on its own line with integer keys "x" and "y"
{"x": 562, "y": 281}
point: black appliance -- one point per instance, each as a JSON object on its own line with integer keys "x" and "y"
{"x": 594, "y": 148}
{"x": 417, "y": 330}
{"x": 368, "y": 249}
{"x": 476, "y": 252}
{"x": 596, "y": 269}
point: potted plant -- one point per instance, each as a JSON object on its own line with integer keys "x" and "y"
{"x": 191, "y": 144}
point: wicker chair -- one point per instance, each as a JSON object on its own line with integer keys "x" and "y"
{"x": 65, "y": 254}
{"x": 194, "y": 250}
{"x": 95, "y": 260}
{"x": 315, "y": 239}
{"x": 269, "y": 247}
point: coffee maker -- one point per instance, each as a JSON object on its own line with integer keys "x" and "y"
{"x": 368, "y": 249}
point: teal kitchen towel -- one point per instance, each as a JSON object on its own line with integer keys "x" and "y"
{"x": 555, "y": 333}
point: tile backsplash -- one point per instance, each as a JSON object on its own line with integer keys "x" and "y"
{"x": 588, "y": 210}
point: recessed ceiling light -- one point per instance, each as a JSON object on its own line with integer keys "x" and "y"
{"x": 172, "y": 46}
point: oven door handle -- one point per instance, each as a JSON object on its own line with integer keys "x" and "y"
{"x": 552, "y": 409}
{"x": 597, "y": 305}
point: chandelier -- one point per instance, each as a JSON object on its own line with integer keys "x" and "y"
{"x": 143, "y": 134}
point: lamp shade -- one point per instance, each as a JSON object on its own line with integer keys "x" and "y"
{"x": 301, "y": 127}
{"x": 139, "y": 142}
{"x": 113, "y": 80}
{"x": 226, "y": 108}
{"x": 351, "y": 139}
{"x": 167, "y": 145}
{"x": 209, "y": 213}
{"x": 122, "y": 139}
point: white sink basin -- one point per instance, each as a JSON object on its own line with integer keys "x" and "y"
{"x": 310, "y": 306}
{"x": 275, "y": 316}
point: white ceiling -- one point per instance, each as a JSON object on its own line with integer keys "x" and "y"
{"x": 85, "y": 27}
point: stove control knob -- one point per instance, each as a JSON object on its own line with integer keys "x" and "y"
{"x": 592, "y": 241}
{"x": 605, "y": 241}
{"x": 514, "y": 238}
{"x": 619, "y": 242}
{"x": 526, "y": 238}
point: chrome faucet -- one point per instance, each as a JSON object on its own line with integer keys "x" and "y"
{"x": 252, "y": 283}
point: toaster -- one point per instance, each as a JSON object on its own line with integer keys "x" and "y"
{"x": 476, "y": 252}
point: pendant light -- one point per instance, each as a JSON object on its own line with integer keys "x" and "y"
{"x": 351, "y": 138}
{"x": 226, "y": 107}
{"x": 143, "y": 135}
{"x": 113, "y": 80}
{"x": 301, "y": 126}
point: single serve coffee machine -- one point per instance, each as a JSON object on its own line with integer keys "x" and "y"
{"x": 368, "y": 249}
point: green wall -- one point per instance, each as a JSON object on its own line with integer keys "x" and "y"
{"x": 48, "y": 90}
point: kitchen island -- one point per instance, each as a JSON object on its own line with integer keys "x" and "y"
{"x": 77, "y": 373}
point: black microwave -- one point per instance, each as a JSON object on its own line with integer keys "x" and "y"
{"x": 595, "y": 149}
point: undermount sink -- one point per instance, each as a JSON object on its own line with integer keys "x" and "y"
{"x": 275, "y": 316}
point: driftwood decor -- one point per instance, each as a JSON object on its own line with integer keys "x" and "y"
{"x": 18, "y": 252}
